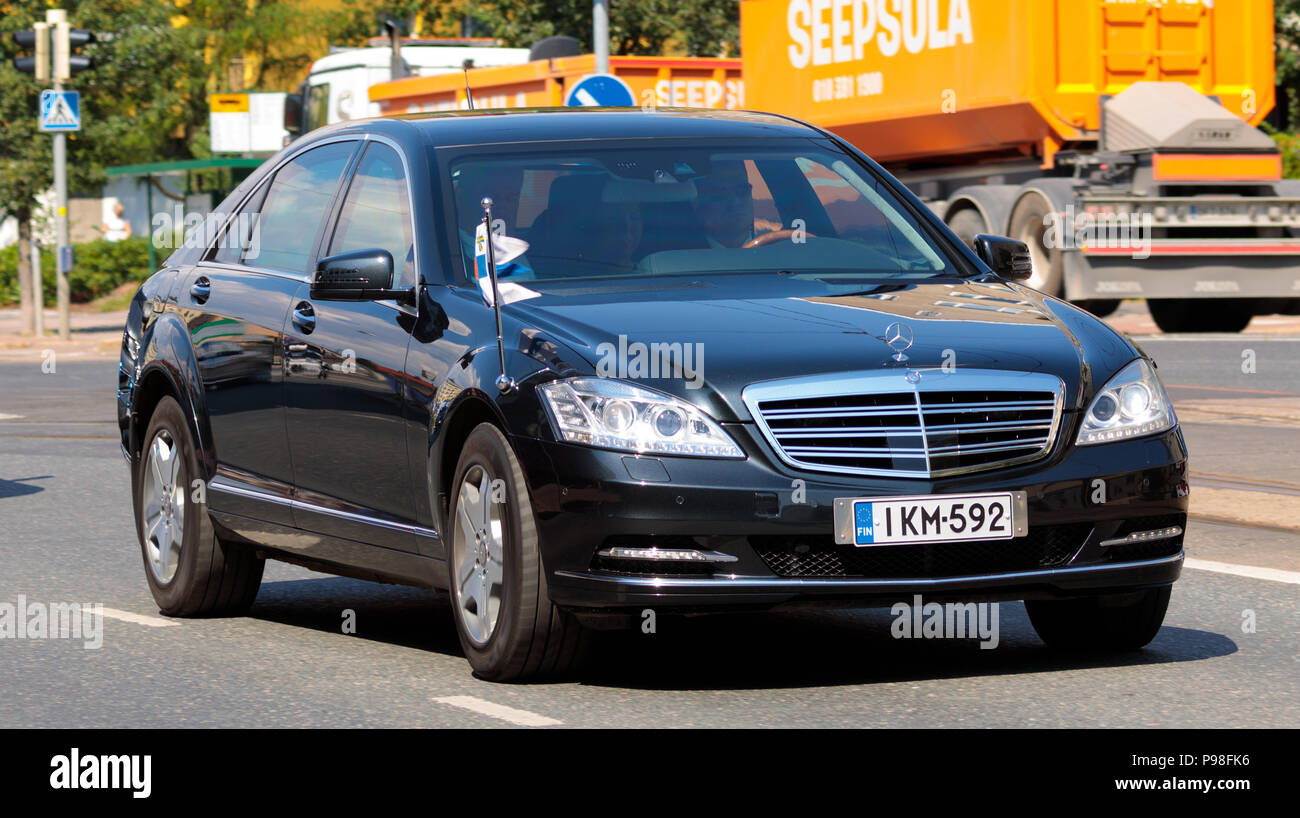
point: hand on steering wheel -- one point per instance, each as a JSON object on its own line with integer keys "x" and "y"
{"x": 775, "y": 236}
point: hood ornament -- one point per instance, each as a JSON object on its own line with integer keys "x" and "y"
{"x": 899, "y": 337}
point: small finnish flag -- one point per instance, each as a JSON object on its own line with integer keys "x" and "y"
{"x": 504, "y": 250}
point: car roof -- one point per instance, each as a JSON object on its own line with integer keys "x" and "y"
{"x": 449, "y": 128}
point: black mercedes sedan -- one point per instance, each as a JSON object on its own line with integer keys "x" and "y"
{"x": 574, "y": 366}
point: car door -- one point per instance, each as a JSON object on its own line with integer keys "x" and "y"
{"x": 345, "y": 374}
{"x": 235, "y": 302}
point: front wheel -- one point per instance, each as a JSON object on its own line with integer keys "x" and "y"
{"x": 189, "y": 570}
{"x": 508, "y": 627}
{"x": 1118, "y": 622}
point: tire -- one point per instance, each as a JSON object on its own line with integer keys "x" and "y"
{"x": 494, "y": 553}
{"x": 1117, "y": 622}
{"x": 1201, "y": 314}
{"x": 1027, "y": 225}
{"x": 967, "y": 223}
{"x": 1100, "y": 307}
{"x": 203, "y": 576}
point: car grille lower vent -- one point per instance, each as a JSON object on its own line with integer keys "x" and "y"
{"x": 881, "y": 423}
{"x": 1046, "y": 546}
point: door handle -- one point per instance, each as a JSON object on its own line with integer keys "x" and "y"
{"x": 304, "y": 317}
{"x": 200, "y": 290}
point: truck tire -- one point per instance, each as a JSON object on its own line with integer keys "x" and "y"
{"x": 1027, "y": 225}
{"x": 1200, "y": 314}
{"x": 1118, "y": 622}
{"x": 967, "y": 223}
{"x": 190, "y": 571}
{"x": 508, "y": 626}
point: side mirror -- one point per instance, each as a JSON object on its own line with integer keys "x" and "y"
{"x": 1008, "y": 258}
{"x": 293, "y": 114}
{"x": 361, "y": 275}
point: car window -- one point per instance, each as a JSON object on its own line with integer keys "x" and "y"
{"x": 376, "y": 212}
{"x": 294, "y": 207}
{"x": 650, "y": 208}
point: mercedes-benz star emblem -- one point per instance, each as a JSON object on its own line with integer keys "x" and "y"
{"x": 899, "y": 338}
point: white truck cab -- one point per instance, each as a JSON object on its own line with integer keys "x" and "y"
{"x": 337, "y": 88}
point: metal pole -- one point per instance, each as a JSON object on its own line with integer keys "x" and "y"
{"x": 38, "y": 298}
{"x": 600, "y": 34}
{"x": 56, "y": 17}
{"x": 61, "y": 228}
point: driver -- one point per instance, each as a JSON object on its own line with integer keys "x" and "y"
{"x": 724, "y": 204}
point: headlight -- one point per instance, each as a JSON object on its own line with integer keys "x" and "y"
{"x": 1132, "y": 404}
{"x": 616, "y": 415}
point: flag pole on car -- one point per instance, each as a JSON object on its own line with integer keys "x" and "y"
{"x": 487, "y": 275}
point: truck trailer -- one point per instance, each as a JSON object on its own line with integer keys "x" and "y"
{"x": 1117, "y": 138}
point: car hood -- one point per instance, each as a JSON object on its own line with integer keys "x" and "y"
{"x": 737, "y": 330}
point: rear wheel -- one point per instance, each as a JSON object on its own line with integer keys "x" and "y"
{"x": 1201, "y": 314}
{"x": 1112, "y": 622}
{"x": 508, "y": 627}
{"x": 1029, "y": 223}
{"x": 190, "y": 571}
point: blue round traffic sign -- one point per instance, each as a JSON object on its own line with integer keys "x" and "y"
{"x": 599, "y": 90}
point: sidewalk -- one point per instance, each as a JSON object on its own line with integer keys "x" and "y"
{"x": 95, "y": 335}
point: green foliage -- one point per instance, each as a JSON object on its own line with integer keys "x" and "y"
{"x": 99, "y": 267}
{"x": 697, "y": 28}
{"x": 649, "y": 27}
{"x": 1286, "y": 52}
{"x": 1289, "y": 145}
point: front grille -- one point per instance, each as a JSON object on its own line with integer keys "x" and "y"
{"x": 1046, "y": 546}
{"x": 880, "y": 423}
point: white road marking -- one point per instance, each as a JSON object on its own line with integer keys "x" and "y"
{"x": 139, "y": 619}
{"x": 1252, "y": 571}
{"x": 523, "y": 718}
{"x": 4, "y": 416}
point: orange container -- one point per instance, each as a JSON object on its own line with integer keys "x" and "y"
{"x": 912, "y": 80}
{"x": 693, "y": 82}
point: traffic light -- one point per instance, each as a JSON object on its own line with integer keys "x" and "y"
{"x": 62, "y": 46}
{"x": 36, "y": 41}
{"x": 66, "y": 41}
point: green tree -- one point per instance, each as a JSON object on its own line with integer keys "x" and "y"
{"x": 1286, "y": 51}
{"x": 144, "y": 88}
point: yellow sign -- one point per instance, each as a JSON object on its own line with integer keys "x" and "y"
{"x": 228, "y": 103}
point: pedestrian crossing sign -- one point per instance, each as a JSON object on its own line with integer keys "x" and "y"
{"x": 60, "y": 111}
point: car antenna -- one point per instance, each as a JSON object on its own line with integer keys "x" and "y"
{"x": 505, "y": 383}
{"x": 465, "y": 66}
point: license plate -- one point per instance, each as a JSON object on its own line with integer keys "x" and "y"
{"x": 865, "y": 521}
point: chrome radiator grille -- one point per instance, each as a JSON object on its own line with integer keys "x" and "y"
{"x": 881, "y": 423}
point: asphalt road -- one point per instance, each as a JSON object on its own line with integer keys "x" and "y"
{"x": 66, "y": 535}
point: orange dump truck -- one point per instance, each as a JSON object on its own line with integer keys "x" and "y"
{"x": 1115, "y": 137}
{"x": 687, "y": 82}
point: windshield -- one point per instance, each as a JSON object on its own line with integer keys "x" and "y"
{"x": 651, "y": 208}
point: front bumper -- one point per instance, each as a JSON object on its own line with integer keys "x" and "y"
{"x": 778, "y": 524}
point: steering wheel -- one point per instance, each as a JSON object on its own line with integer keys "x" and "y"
{"x": 775, "y": 236}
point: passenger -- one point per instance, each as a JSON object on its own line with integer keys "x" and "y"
{"x": 502, "y": 185}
